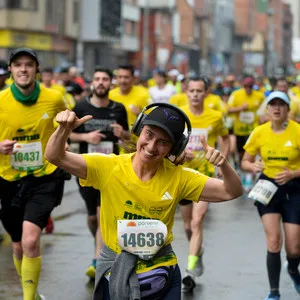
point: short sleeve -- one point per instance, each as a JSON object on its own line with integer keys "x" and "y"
{"x": 223, "y": 131}
{"x": 252, "y": 146}
{"x": 192, "y": 183}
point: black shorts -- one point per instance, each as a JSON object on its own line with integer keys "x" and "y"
{"x": 240, "y": 142}
{"x": 91, "y": 198}
{"x": 184, "y": 202}
{"x": 29, "y": 199}
{"x": 285, "y": 202}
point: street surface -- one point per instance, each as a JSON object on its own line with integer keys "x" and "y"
{"x": 234, "y": 256}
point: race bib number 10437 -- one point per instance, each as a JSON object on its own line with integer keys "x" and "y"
{"x": 143, "y": 238}
{"x": 27, "y": 157}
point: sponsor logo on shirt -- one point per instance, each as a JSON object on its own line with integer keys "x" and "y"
{"x": 288, "y": 144}
{"x": 166, "y": 196}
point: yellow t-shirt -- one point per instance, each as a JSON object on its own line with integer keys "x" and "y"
{"x": 277, "y": 150}
{"x": 179, "y": 99}
{"x": 31, "y": 126}
{"x": 211, "y": 101}
{"x": 56, "y": 87}
{"x": 210, "y": 124}
{"x": 214, "y": 102}
{"x": 125, "y": 196}
{"x": 137, "y": 96}
{"x": 245, "y": 121}
{"x": 295, "y": 90}
{"x": 294, "y": 107}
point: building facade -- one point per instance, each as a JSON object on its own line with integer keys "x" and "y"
{"x": 50, "y": 27}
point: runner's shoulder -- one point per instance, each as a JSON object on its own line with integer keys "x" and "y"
{"x": 50, "y": 94}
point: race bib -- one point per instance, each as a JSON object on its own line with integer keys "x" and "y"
{"x": 28, "y": 157}
{"x": 247, "y": 117}
{"x": 102, "y": 147}
{"x": 263, "y": 191}
{"x": 228, "y": 122}
{"x": 143, "y": 238}
{"x": 194, "y": 143}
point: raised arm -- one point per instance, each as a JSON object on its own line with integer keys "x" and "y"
{"x": 55, "y": 149}
{"x": 216, "y": 190}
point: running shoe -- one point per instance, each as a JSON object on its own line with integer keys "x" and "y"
{"x": 39, "y": 296}
{"x": 91, "y": 270}
{"x": 273, "y": 296}
{"x": 294, "y": 276}
{"x": 50, "y": 226}
{"x": 188, "y": 282}
{"x": 199, "y": 269}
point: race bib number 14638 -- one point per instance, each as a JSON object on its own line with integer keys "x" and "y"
{"x": 143, "y": 238}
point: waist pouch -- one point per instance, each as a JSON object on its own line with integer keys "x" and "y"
{"x": 156, "y": 283}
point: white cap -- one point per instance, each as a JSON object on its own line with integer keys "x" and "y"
{"x": 180, "y": 77}
{"x": 173, "y": 72}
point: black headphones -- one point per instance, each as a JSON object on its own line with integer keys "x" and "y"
{"x": 180, "y": 144}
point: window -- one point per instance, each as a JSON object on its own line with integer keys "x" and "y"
{"x": 16, "y": 4}
{"x": 2, "y": 3}
{"x": 32, "y": 4}
{"x": 22, "y": 4}
{"x": 50, "y": 11}
{"x": 75, "y": 11}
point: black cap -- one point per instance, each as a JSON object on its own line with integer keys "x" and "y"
{"x": 23, "y": 50}
{"x": 167, "y": 119}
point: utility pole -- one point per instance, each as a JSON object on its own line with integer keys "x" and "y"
{"x": 145, "y": 66}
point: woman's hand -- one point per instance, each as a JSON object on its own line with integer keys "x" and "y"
{"x": 284, "y": 176}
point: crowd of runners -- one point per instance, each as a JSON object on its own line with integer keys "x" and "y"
{"x": 168, "y": 141}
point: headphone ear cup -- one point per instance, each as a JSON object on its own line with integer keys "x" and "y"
{"x": 138, "y": 124}
{"x": 179, "y": 147}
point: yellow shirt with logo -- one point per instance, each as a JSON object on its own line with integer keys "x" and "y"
{"x": 125, "y": 196}
{"x": 277, "y": 150}
{"x": 137, "y": 97}
{"x": 31, "y": 126}
{"x": 210, "y": 124}
{"x": 245, "y": 121}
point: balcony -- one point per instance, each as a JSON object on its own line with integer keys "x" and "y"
{"x": 131, "y": 12}
{"x": 129, "y": 43}
{"x": 157, "y": 4}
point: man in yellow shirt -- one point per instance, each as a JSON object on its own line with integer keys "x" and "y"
{"x": 244, "y": 104}
{"x": 209, "y": 123}
{"x": 30, "y": 187}
{"x": 134, "y": 98}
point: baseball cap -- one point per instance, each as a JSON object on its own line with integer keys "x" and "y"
{"x": 23, "y": 50}
{"x": 278, "y": 95}
{"x": 248, "y": 81}
{"x": 173, "y": 72}
{"x": 168, "y": 119}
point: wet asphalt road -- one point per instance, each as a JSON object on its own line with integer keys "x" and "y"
{"x": 234, "y": 255}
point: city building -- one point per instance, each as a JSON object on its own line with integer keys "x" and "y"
{"x": 50, "y": 27}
